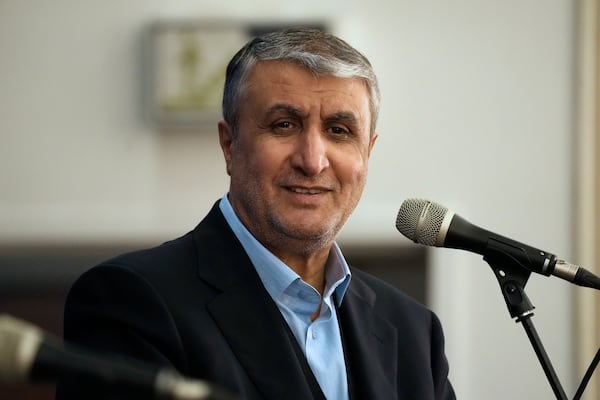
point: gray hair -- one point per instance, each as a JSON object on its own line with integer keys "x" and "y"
{"x": 318, "y": 51}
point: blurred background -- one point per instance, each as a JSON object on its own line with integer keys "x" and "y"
{"x": 488, "y": 107}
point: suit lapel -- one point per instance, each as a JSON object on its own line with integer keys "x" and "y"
{"x": 265, "y": 352}
{"x": 247, "y": 316}
{"x": 370, "y": 345}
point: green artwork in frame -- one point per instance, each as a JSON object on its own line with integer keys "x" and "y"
{"x": 186, "y": 63}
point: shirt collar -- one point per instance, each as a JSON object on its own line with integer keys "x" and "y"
{"x": 276, "y": 275}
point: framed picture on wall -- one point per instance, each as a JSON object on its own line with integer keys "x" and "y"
{"x": 186, "y": 62}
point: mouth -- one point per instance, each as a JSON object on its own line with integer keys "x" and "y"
{"x": 303, "y": 190}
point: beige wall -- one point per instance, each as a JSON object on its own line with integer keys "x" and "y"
{"x": 477, "y": 114}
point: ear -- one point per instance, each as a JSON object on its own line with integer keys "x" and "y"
{"x": 226, "y": 142}
{"x": 372, "y": 140}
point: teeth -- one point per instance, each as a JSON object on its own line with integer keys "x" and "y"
{"x": 306, "y": 191}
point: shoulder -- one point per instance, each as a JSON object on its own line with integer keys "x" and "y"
{"x": 390, "y": 302}
{"x": 180, "y": 251}
{"x": 179, "y": 248}
{"x": 384, "y": 292}
{"x": 140, "y": 274}
{"x": 134, "y": 287}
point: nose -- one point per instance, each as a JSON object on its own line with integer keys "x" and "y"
{"x": 310, "y": 153}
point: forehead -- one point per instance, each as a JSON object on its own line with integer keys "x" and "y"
{"x": 292, "y": 73}
{"x": 281, "y": 81}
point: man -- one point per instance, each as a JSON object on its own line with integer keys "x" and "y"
{"x": 258, "y": 297}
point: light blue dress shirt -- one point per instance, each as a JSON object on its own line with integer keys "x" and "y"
{"x": 319, "y": 339}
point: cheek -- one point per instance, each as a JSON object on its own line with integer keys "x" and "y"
{"x": 257, "y": 162}
{"x": 352, "y": 170}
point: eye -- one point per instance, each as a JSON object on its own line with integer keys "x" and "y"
{"x": 284, "y": 126}
{"x": 339, "y": 131}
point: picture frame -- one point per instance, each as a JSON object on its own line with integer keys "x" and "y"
{"x": 186, "y": 62}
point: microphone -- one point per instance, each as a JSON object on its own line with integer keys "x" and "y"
{"x": 26, "y": 354}
{"x": 432, "y": 224}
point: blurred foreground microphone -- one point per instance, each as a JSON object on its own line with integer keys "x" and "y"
{"x": 27, "y": 356}
{"x": 432, "y": 224}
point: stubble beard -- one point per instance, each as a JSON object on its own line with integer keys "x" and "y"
{"x": 281, "y": 235}
{"x": 297, "y": 239}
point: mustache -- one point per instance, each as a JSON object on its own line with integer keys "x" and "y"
{"x": 299, "y": 180}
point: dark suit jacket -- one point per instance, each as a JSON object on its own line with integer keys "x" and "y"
{"x": 197, "y": 304}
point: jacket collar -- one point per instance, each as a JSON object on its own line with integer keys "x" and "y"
{"x": 247, "y": 316}
{"x": 370, "y": 345}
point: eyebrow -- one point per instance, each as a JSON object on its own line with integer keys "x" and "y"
{"x": 285, "y": 108}
{"x": 345, "y": 116}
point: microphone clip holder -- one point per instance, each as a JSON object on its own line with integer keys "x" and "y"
{"x": 513, "y": 277}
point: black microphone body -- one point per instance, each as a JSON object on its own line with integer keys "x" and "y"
{"x": 53, "y": 362}
{"x": 432, "y": 224}
{"x": 466, "y": 236}
{"x": 28, "y": 355}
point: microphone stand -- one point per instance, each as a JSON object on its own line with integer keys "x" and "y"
{"x": 512, "y": 278}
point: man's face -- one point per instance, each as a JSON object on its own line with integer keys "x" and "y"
{"x": 298, "y": 161}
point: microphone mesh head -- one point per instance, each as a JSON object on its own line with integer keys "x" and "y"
{"x": 420, "y": 220}
{"x": 19, "y": 342}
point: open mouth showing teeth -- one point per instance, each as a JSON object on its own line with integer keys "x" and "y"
{"x": 306, "y": 191}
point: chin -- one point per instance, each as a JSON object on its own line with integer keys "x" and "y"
{"x": 309, "y": 232}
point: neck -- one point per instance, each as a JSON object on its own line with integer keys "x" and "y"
{"x": 310, "y": 267}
